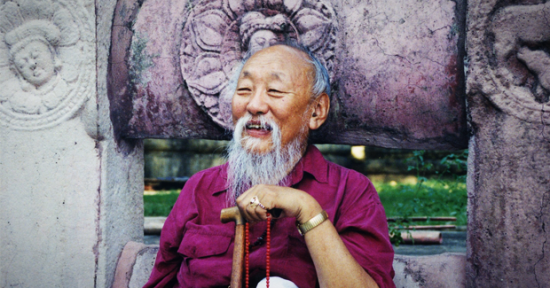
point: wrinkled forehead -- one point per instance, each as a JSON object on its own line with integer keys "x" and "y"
{"x": 283, "y": 60}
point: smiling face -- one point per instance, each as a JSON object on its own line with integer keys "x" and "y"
{"x": 35, "y": 63}
{"x": 275, "y": 83}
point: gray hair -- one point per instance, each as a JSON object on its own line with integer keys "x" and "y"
{"x": 321, "y": 83}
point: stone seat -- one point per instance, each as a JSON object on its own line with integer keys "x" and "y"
{"x": 444, "y": 270}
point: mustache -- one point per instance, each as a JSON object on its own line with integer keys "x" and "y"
{"x": 255, "y": 122}
{"x": 260, "y": 122}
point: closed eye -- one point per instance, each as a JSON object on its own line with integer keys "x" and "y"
{"x": 243, "y": 90}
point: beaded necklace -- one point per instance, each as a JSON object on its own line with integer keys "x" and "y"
{"x": 268, "y": 251}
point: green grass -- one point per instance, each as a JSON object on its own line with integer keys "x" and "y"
{"x": 160, "y": 203}
{"x": 427, "y": 198}
{"x": 400, "y": 199}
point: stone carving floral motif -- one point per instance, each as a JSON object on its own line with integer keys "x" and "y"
{"x": 218, "y": 34}
{"x": 519, "y": 71}
{"x": 44, "y": 63}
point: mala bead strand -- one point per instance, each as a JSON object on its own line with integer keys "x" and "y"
{"x": 267, "y": 253}
{"x": 247, "y": 255}
{"x": 268, "y": 250}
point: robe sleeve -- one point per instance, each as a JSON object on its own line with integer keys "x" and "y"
{"x": 363, "y": 227}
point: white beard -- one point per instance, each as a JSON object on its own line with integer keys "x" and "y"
{"x": 247, "y": 168}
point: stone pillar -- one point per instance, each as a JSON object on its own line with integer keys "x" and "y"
{"x": 509, "y": 167}
{"x": 70, "y": 193}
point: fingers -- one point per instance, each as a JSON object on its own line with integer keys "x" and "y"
{"x": 258, "y": 200}
{"x": 253, "y": 212}
{"x": 252, "y": 204}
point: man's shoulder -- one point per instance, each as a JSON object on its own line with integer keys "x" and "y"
{"x": 348, "y": 173}
{"x": 326, "y": 171}
{"x": 220, "y": 170}
{"x": 211, "y": 178}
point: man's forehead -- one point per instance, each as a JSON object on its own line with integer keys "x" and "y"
{"x": 284, "y": 58}
{"x": 273, "y": 75}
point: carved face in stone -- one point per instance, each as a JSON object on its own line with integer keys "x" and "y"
{"x": 36, "y": 38}
{"x": 35, "y": 63}
{"x": 520, "y": 63}
{"x": 218, "y": 34}
{"x": 262, "y": 39}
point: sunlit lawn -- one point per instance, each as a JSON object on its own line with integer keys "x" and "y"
{"x": 159, "y": 203}
{"x": 400, "y": 199}
{"x": 430, "y": 198}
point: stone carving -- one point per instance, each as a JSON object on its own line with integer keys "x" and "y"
{"x": 218, "y": 34}
{"x": 396, "y": 67}
{"x": 44, "y": 63}
{"x": 519, "y": 70}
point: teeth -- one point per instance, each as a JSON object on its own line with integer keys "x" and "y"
{"x": 258, "y": 126}
{"x": 254, "y": 126}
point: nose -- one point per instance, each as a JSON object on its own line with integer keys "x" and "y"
{"x": 32, "y": 64}
{"x": 257, "y": 104}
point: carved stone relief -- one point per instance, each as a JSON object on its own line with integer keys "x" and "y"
{"x": 217, "y": 35}
{"x": 396, "y": 67}
{"x": 518, "y": 74}
{"x": 45, "y": 63}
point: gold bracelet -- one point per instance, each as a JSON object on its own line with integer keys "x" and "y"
{"x": 312, "y": 223}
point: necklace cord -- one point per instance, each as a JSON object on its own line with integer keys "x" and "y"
{"x": 247, "y": 255}
{"x": 267, "y": 252}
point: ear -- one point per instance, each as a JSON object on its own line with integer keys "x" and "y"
{"x": 319, "y": 111}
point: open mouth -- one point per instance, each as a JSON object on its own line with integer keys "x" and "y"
{"x": 258, "y": 127}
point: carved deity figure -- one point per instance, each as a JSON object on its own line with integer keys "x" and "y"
{"x": 46, "y": 64}
{"x": 522, "y": 31}
{"x": 31, "y": 34}
{"x": 34, "y": 60}
{"x": 217, "y": 35}
{"x": 259, "y": 31}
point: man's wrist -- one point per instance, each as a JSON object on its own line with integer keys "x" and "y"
{"x": 306, "y": 215}
{"x": 315, "y": 221}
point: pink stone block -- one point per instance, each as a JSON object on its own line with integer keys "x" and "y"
{"x": 396, "y": 68}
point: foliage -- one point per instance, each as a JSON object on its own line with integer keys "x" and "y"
{"x": 442, "y": 195}
{"x": 432, "y": 198}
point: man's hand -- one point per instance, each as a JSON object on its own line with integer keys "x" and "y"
{"x": 335, "y": 266}
{"x": 292, "y": 202}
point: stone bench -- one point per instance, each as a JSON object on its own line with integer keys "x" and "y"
{"x": 443, "y": 270}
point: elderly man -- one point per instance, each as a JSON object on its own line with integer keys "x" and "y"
{"x": 282, "y": 93}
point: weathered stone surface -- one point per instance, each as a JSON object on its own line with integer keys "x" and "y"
{"x": 439, "y": 271}
{"x": 48, "y": 218}
{"x": 126, "y": 262}
{"x": 153, "y": 225}
{"x": 70, "y": 195}
{"x": 48, "y": 221}
{"x": 43, "y": 79}
{"x": 144, "y": 265}
{"x": 396, "y": 68}
{"x": 509, "y": 165}
{"x": 135, "y": 265}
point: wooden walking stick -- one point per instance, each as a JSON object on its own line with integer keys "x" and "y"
{"x": 233, "y": 214}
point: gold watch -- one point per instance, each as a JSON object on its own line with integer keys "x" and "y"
{"x": 312, "y": 223}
